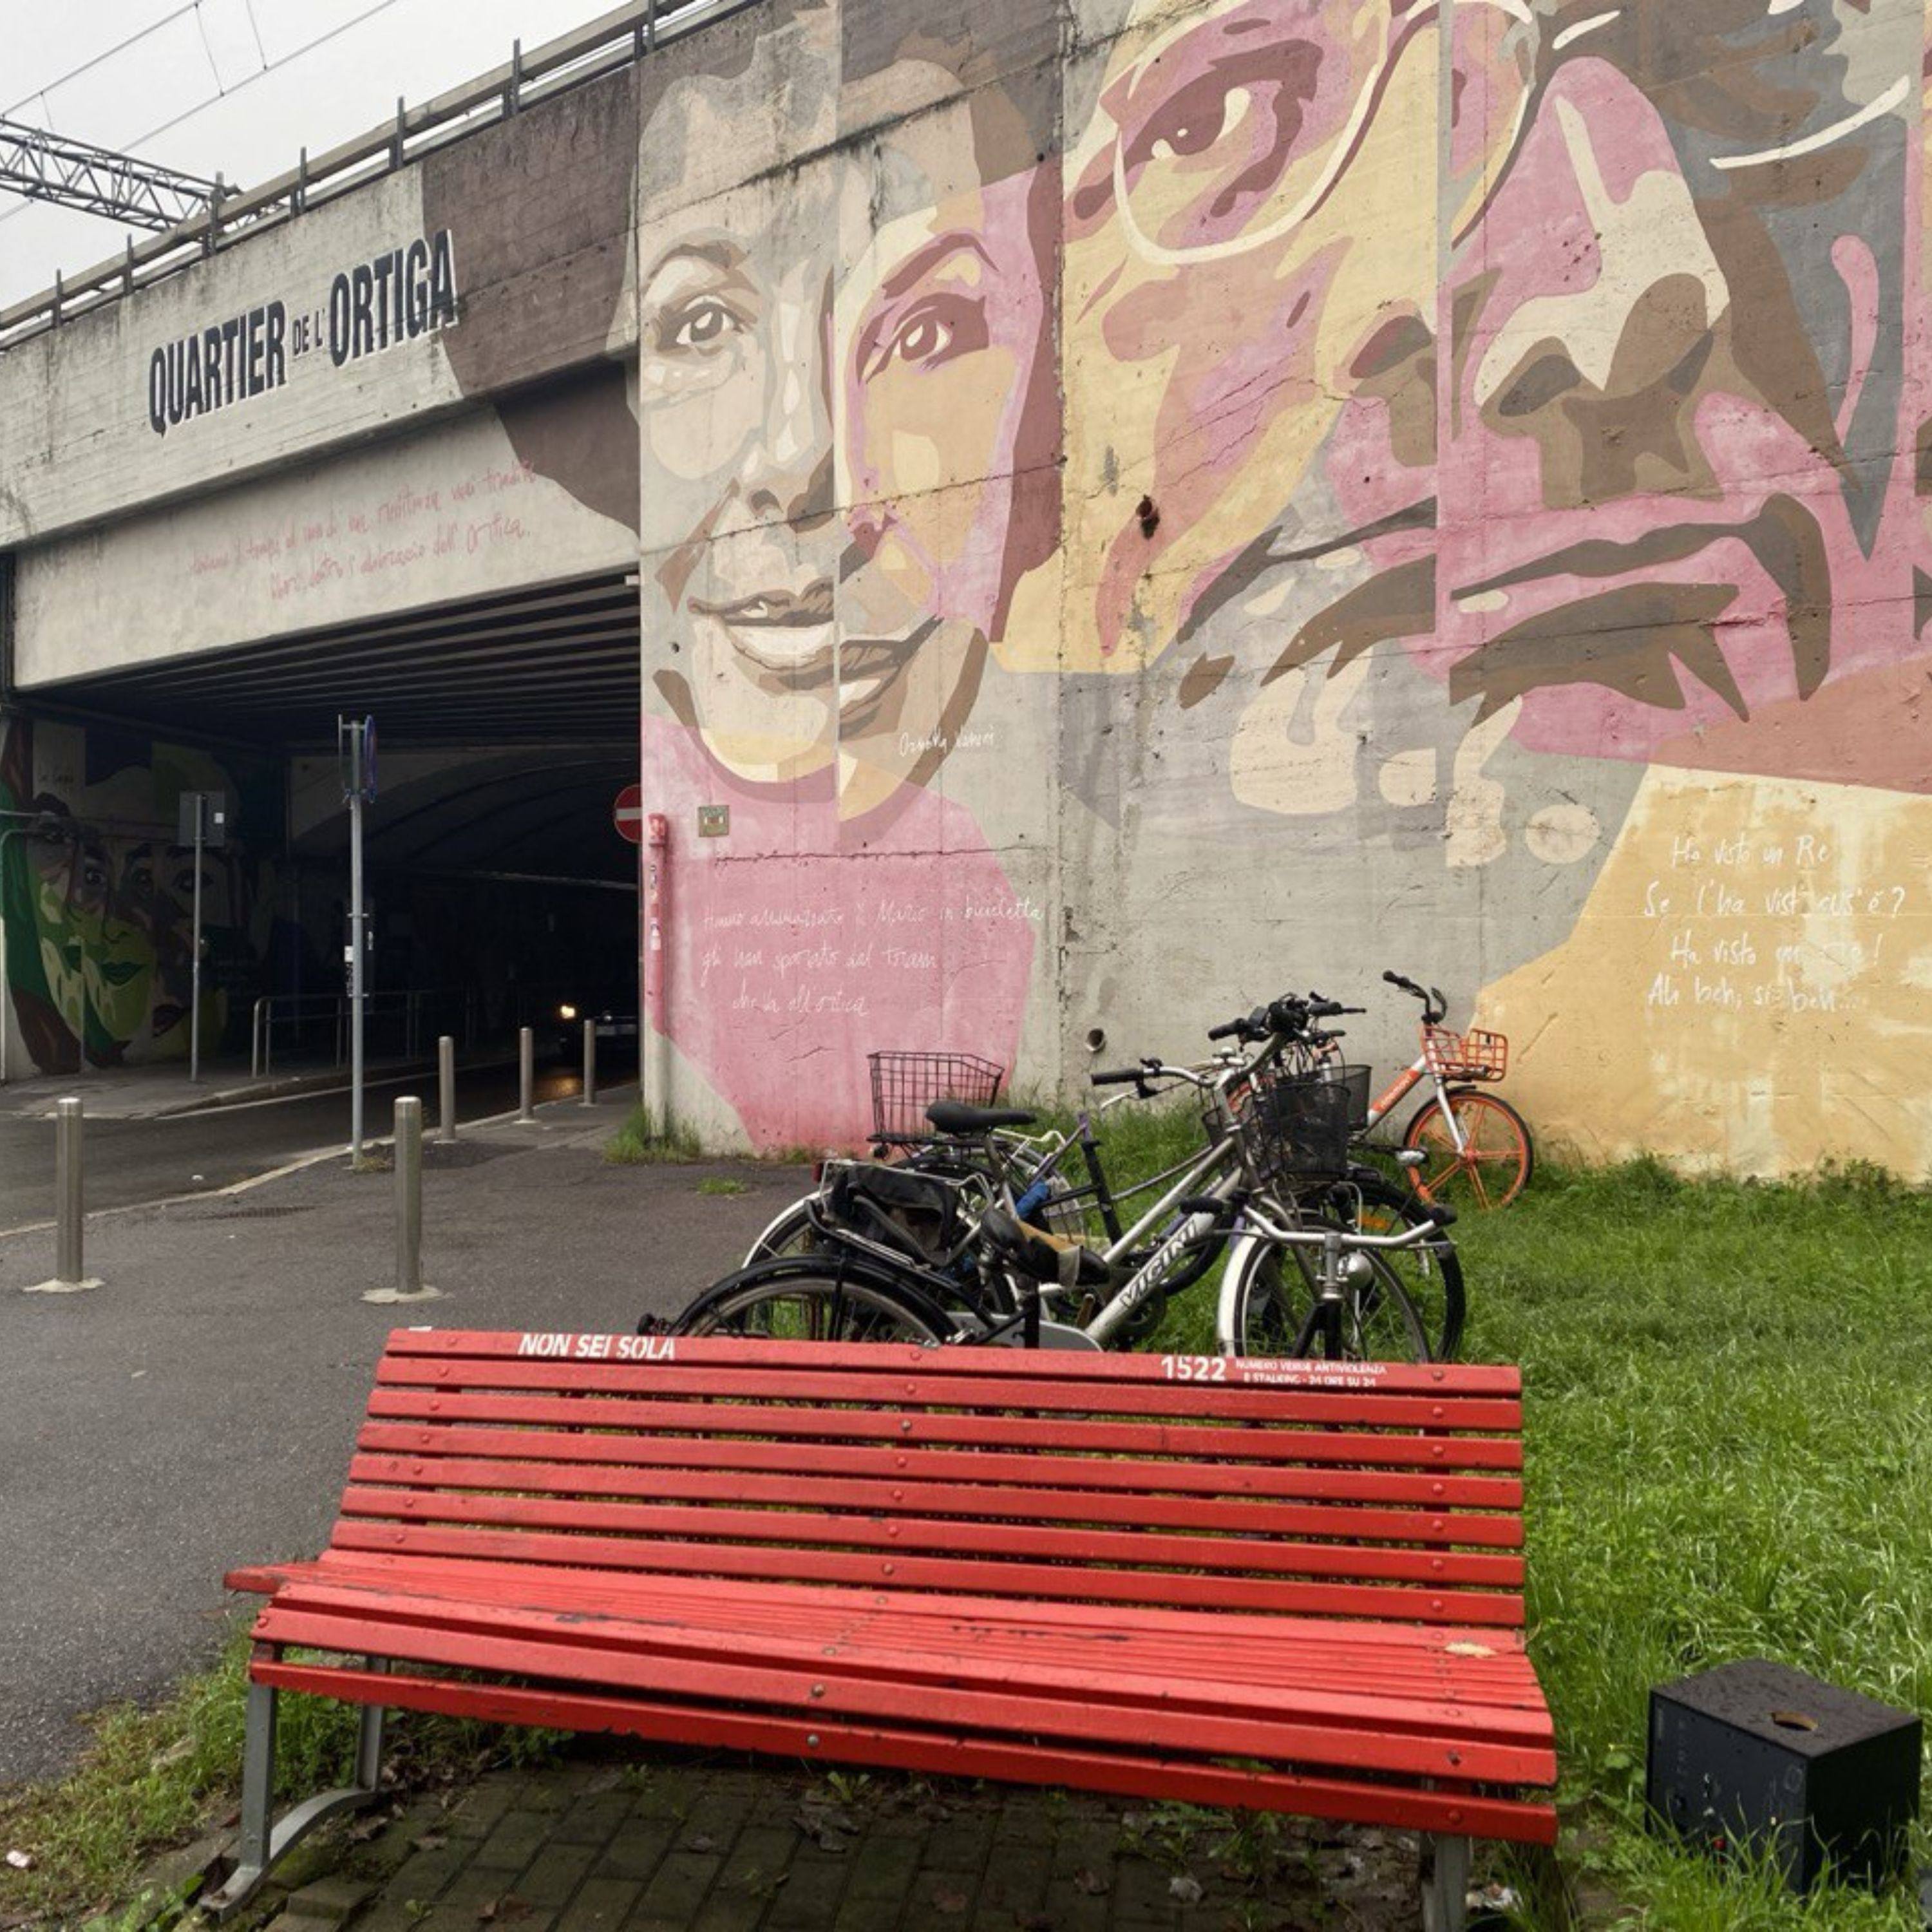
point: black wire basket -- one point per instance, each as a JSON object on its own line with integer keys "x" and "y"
{"x": 905, "y": 1085}
{"x": 1296, "y": 1128}
{"x": 1356, "y": 1080}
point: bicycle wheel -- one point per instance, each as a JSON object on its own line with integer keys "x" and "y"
{"x": 789, "y": 1233}
{"x": 1431, "y": 1271}
{"x": 809, "y": 1298}
{"x": 1275, "y": 1312}
{"x": 1497, "y": 1159}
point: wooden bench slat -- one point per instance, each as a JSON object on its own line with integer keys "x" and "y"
{"x": 1089, "y": 1708}
{"x": 791, "y": 1564}
{"x": 696, "y": 1421}
{"x": 936, "y": 1752}
{"x": 1259, "y": 1633}
{"x": 1394, "y": 1683}
{"x": 791, "y": 1456}
{"x": 988, "y": 1499}
{"x": 1143, "y": 1549}
{"x": 1179, "y": 1405}
{"x": 891, "y": 1358}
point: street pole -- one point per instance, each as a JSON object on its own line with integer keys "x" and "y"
{"x": 194, "y": 980}
{"x": 355, "y": 952}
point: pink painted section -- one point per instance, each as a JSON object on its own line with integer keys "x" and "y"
{"x": 798, "y": 944}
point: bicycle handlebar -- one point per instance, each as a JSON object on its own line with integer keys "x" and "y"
{"x": 1118, "y": 1076}
{"x": 1434, "y": 1006}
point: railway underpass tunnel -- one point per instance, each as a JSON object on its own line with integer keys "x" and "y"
{"x": 499, "y": 889}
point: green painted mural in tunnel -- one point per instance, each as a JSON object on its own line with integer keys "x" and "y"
{"x": 96, "y": 897}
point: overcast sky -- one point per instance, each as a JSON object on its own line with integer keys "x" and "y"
{"x": 233, "y": 87}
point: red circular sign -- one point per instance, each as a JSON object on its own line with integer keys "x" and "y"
{"x": 628, "y": 813}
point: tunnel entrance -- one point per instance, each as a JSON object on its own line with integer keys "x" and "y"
{"x": 501, "y": 893}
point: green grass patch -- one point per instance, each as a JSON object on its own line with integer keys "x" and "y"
{"x": 723, "y": 1184}
{"x": 152, "y": 1779}
{"x": 1728, "y": 1403}
{"x": 642, "y": 1141}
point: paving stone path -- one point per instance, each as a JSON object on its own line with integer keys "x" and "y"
{"x": 616, "y": 1841}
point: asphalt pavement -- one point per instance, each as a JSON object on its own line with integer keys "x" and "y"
{"x": 140, "y": 1147}
{"x": 196, "y": 1411}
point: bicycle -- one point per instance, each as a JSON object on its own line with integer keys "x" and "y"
{"x": 1475, "y": 1148}
{"x": 1034, "y": 1167}
{"x": 953, "y": 1273}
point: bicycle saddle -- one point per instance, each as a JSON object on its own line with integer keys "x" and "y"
{"x": 955, "y": 1116}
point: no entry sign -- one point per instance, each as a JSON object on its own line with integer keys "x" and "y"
{"x": 628, "y": 813}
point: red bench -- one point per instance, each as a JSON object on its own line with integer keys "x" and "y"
{"x": 1286, "y": 1586}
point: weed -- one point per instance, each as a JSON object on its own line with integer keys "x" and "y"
{"x": 642, "y": 1141}
{"x": 723, "y": 1183}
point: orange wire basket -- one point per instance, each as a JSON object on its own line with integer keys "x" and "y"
{"x": 1473, "y": 1055}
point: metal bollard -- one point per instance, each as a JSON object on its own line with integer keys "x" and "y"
{"x": 409, "y": 1285}
{"x": 409, "y": 1195}
{"x": 446, "y": 1089}
{"x": 68, "y": 1276}
{"x": 526, "y": 1075}
{"x": 589, "y": 1064}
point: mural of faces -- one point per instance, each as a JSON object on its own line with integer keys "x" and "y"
{"x": 834, "y": 412}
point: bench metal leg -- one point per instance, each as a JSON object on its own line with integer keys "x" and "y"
{"x": 263, "y": 1839}
{"x": 1445, "y": 1881}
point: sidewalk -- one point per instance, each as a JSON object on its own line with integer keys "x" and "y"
{"x": 155, "y": 1093}
{"x": 196, "y": 1411}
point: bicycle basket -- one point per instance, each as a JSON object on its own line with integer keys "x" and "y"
{"x": 1355, "y": 1080}
{"x": 1297, "y": 1129}
{"x": 905, "y": 1085}
{"x": 1473, "y": 1055}
{"x": 922, "y": 1216}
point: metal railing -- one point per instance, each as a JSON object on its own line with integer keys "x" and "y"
{"x": 614, "y": 40}
{"x": 399, "y": 1023}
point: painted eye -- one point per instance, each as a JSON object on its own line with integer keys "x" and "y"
{"x": 1195, "y": 122}
{"x": 941, "y": 327}
{"x": 925, "y": 339}
{"x": 700, "y": 326}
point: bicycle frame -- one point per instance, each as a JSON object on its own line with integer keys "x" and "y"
{"x": 1413, "y": 1075}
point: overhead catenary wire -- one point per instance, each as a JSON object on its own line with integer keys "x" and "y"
{"x": 268, "y": 67}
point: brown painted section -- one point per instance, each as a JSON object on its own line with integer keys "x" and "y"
{"x": 540, "y": 207}
{"x": 1631, "y": 640}
{"x": 580, "y": 431}
{"x": 1876, "y": 724}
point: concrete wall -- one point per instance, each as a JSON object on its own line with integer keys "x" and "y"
{"x": 1143, "y": 503}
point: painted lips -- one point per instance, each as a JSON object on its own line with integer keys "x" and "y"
{"x": 793, "y": 634}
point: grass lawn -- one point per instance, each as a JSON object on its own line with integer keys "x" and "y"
{"x": 1728, "y": 1393}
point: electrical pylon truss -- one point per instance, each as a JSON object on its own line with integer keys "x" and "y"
{"x": 76, "y": 174}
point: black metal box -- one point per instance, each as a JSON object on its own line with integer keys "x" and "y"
{"x": 1757, "y": 1756}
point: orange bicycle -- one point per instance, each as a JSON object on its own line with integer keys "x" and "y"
{"x": 1474, "y": 1147}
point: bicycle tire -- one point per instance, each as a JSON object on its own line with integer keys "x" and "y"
{"x": 1500, "y": 1162}
{"x": 1275, "y": 1312}
{"x": 1431, "y": 1271}
{"x": 813, "y": 1298}
{"x": 789, "y": 1233}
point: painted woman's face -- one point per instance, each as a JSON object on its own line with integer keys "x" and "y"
{"x": 826, "y": 598}
{"x": 93, "y": 902}
{"x": 1244, "y": 218}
